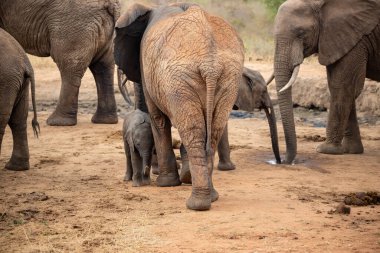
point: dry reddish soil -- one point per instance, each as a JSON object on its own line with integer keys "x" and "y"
{"x": 73, "y": 199}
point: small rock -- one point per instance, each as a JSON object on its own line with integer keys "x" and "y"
{"x": 343, "y": 209}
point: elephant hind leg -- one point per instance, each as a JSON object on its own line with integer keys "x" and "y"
{"x": 103, "y": 71}
{"x": 192, "y": 130}
{"x": 161, "y": 128}
{"x": 17, "y": 122}
{"x": 352, "y": 143}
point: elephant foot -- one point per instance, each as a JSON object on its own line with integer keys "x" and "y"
{"x": 185, "y": 175}
{"x": 214, "y": 195}
{"x": 17, "y": 164}
{"x": 155, "y": 169}
{"x": 200, "y": 200}
{"x": 330, "y": 148}
{"x": 127, "y": 178}
{"x": 58, "y": 119}
{"x": 167, "y": 180}
{"x": 137, "y": 182}
{"x": 224, "y": 166}
{"x": 104, "y": 118}
{"x": 351, "y": 146}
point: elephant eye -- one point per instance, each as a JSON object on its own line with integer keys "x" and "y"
{"x": 300, "y": 32}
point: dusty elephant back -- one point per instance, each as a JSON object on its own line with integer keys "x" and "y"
{"x": 36, "y": 25}
{"x": 182, "y": 48}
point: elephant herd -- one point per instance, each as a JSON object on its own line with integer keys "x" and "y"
{"x": 188, "y": 72}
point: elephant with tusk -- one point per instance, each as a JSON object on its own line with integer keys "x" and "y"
{"x": 346, "y": 37}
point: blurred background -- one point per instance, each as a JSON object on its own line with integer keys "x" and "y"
{"x": 253, "y": 19}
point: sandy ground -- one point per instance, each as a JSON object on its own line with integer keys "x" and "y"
{"x": 73, "y": 199}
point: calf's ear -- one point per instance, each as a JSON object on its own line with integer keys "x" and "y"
{"x": 130, "y": 28}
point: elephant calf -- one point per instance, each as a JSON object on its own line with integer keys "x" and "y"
{"x": 15, "y": 74}
{"x": 138, "y": 145}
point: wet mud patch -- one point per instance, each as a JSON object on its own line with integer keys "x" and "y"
{"x": 311, "y": 163}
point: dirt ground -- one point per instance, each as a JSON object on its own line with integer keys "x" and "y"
{"x": 73, "y": 199}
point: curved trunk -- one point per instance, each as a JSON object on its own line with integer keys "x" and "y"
{"x": 273, "y": 132}
{"x": 283, "y": 67}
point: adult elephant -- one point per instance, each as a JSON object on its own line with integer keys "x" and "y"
{"x": 346, "y": 36}
{"x": 191, "y": 66}
{"x": 76, "y": 34}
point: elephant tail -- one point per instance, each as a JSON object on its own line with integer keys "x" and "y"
{"x": 211, "y": 78}
{"x": 35, "y": 124}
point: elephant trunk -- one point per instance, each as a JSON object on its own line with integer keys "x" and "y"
{"x": 287, "y": 56}
{"x": 146, "y": 163}
{"x": 273, "y": 131}
{"x": 140, "y": 98}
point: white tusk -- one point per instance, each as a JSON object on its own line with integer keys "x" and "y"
{"x": 270, "y": 79}
{"x": 292, "y": 79}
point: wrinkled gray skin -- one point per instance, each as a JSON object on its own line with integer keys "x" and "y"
{"x": 253, "y": 94}
{"x": 346, "y": 36}
{"x": 77, "y": 34}
{"x": 138, "y": 146}
{"x": 15, "y": 75}
{"x": 191, "y": 66}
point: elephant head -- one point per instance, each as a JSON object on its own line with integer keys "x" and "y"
{"x": 330, "y": 28}
{"x": 253, "y": 94}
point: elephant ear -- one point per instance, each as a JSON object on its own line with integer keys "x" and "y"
{"x": 130, "y": 28}
{"x": 343, "y": 24}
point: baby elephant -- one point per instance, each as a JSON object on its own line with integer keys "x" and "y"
{"x": 15, "y": 75}
{"x": 138, "y": 145}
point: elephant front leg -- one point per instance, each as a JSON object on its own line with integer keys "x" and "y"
{"x": 65, "y": 113}
{"x": 224, "y": 152}
{"x": 103, "y": 72}
{"x": 128, "y": 170}
{"x": 138, "y": 177}
{"x": 346, "y": 79}
{"x": 352, "y": 143}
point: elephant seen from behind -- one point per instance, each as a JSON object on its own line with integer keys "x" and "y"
{"x": 77, "y": 35}
{"x": 191, "y": 66}
{"x": 346, "y": 36}
{"x": 252, "y": 95}
{"x": 16, "y": 73}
